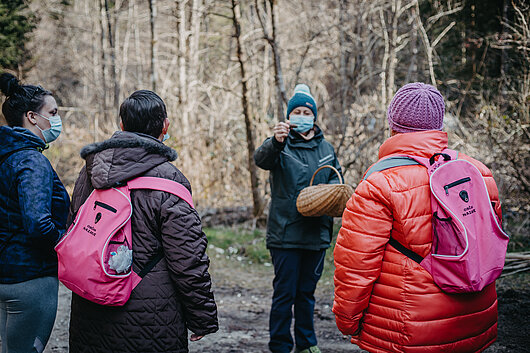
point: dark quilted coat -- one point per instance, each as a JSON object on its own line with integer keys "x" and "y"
{"x": 176, "y": 295}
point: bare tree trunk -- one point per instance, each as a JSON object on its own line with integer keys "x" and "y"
{"x": 390, "y": 17}
{"x": 343, "y": 65}
{"x": 125, "y": 52}
{"x": 427, "y": 45}
{"x": 194, "y": 62}
{"x": 282, "y": 97}
{"x": 117, "y": 47}
{"x": 103, "y": 64}
{"x": 412, "y": 72}
{"x": 176, "y": 103}
{"x": 257, "y": 208}
{"x": 278, "y": 75}
{"x": 267, "y": 82}
{"x": 97, "y": 67}
{"x": 183, "y": 55}
{"x": 392, "y": 59}
{"x": 504, "y": 52}
{"x": 152, "y": 46}
{"x": 112, "y": 50}
{"x": 386, "y": 56}
{"x": 137, "y": 49}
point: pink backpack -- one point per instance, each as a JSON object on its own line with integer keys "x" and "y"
{"x": 95, "y": 254}
{"x": 468, "y": 243}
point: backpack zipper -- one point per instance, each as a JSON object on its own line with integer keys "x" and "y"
{"x": 105, "y": 206}
{"x": 455, "y": 183}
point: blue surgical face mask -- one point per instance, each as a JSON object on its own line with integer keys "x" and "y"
{"x": 166, "y": 136}
{"x": 56, "y": 126}
{"x": 303, "y": 122}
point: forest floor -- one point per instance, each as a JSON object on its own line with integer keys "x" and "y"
{"x": 243, "y": 295}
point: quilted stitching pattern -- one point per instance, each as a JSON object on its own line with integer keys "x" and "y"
{"x": 176, "y": 295}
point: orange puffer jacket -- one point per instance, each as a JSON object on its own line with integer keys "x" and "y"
{"x": 386, "y": 301}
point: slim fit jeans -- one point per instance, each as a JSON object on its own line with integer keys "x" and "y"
{"x": 296, "y": 273}
{"x": 27, "y": 314}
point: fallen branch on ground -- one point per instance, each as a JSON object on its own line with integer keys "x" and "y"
{"x": 515, "y": 263}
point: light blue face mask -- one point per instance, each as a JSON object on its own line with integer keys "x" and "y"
{"x": 303, "y": 122}
{"x": 166, "y": 136}
{"x": 56, "y": 126}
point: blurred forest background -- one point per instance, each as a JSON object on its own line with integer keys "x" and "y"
{"x": 226, "y": 69}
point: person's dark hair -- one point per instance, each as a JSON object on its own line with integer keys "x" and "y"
{"x": 144, "y": 111}
{"x": 20, "y": 99}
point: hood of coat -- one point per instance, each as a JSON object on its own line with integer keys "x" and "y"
{"x": 124, "y": 156}
{"x": 14, "y": 138}
{"x": 295, "y": 139}
{"x": 422, "y": 144}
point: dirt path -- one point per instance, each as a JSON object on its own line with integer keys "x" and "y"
{"x": 243, "y": 295}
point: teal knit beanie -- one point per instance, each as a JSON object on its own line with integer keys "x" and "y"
{"x": 302, "y": 98}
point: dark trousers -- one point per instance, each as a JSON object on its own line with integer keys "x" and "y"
{"x": 296, "y": 273}
{"x": 27, "y": 314}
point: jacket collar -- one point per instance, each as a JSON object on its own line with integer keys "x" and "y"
{"x": 14, "y": 138}
{"x": 125, "y": 139}
{"x": 296, "y": 140}
{"x": 124, "y": 156}
{"x": 422, "y": 144}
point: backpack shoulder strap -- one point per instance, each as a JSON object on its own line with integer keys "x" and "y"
{"x": 398, "y": 161}
{"x": 404, "y": 250}
{"x": 162, "y": 184}
{"x": 452, "y": 153}
{"x": 152, "y": 263}
{"x": 390, "y": 162}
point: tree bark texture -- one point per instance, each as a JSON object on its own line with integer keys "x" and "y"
{"x": 249, "y": 128}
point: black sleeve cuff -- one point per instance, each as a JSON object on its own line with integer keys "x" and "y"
{"x": 279, "y": 145}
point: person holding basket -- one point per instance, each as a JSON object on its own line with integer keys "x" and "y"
{"x": 297, "y": 244}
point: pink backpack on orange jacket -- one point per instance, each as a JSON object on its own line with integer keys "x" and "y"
{"x": 468, "y": 243}
{"x": 95, "y": 254}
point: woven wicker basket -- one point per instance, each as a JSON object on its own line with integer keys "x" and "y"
{"x": 324, "y": 199}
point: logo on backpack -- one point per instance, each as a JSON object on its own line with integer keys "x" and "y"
{"x": 468, "y": 211}
{"x": 90, "y": 229}
{"x": 99, "y": 268}
{"x": 468, "y": 243}
{"x": 464, "y": 195}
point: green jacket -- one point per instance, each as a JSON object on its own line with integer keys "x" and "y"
{"x": 291, "y": 166}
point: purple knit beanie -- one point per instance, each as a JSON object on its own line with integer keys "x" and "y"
{"x": 416, "y": 107}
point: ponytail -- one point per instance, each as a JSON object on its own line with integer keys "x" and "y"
{"x": 20, "y": 99}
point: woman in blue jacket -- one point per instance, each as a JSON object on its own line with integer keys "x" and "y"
{"x": 33, "y": 210}
{"x": 297, "y": 244}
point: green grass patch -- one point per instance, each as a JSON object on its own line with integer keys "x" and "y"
{"x": 239, "y": 242}
{"x": 250, "y": 245}
{"x": 329, "y": 265}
